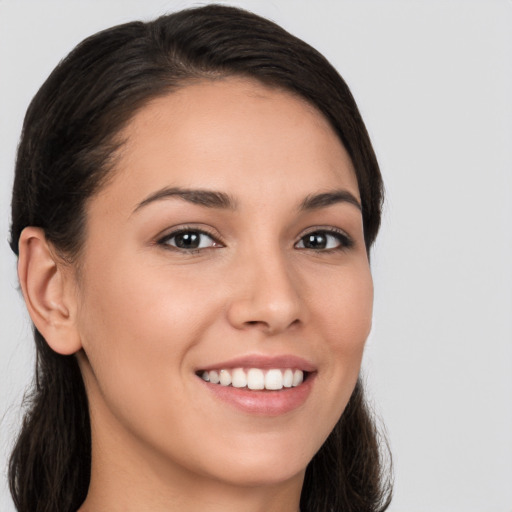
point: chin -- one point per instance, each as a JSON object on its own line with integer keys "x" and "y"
{"x": 264, "y": 475}
{"x": 266, "y": 464}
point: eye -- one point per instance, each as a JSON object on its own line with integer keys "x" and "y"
{"x": 189, "y": 240}
{"x": 324, "y": 240}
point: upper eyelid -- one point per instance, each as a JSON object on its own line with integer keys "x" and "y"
{"x": 324, "y": 229}
{"x": 164, "y": 241}
{"x": 171, "y": 232}
{"x": 346, "y": 241}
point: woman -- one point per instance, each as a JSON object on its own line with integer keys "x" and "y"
{"x": 194, "y": 204}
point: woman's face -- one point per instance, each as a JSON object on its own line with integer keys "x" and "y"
{"x": 229, "y": 243}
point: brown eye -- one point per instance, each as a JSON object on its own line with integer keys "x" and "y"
{"x": 324, "y": 240}
{"x": 189, "y": 240}
{"x": 315, "y": 241}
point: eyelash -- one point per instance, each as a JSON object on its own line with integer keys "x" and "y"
{"x": 343, "y": 240}
{"x": 184, "y": 230}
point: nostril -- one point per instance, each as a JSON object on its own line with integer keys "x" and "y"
{"x": 269, "y": 316}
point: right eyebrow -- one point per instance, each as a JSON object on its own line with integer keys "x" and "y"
{"x": 202, "y": 197}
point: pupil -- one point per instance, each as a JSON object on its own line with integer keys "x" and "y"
{"x": 187, "y": 240}
{"x": 315, "y": 241}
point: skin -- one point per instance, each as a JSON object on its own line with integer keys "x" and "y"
{"x": 143, "y": 316}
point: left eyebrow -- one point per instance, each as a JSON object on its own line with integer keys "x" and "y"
{"x": 325, "y": 199}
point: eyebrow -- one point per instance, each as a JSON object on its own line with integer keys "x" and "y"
{"x": 207, "y": 198}
{"x": 325, "y": 199}
{"x": 216, "y": 199}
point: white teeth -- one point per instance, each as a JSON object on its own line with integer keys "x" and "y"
{"x": 288, "y": 378}
{"x": 225, "y": 378}
{"x": 274, "y": 379}
{"x": 298, "y": 377}
{"x": 255, "y": 378}
{"x": 238, "y": 379}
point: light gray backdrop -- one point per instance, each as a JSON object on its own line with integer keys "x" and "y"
{"x": 433, "y": 80}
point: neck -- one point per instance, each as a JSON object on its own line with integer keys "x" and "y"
{"x": 117, "y": 498}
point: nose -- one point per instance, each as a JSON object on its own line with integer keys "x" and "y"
{"x": 267, "y": 296}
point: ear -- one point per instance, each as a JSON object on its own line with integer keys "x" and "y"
{"x": 48, "y": 287}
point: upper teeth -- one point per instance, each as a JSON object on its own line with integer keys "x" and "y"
{"x": 255, "y": 378}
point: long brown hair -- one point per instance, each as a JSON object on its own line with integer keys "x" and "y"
{"x": 65, "y": 155}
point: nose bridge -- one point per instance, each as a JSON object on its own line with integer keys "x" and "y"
{"x": 267, "y": 294}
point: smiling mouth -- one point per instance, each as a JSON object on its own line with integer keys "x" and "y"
{"x": 273, "y": 379}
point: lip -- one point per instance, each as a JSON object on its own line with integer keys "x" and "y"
{"x": 263, "y": 362}
{"x": 264, "y": 402}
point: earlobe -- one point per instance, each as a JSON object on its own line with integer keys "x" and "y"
{"x": 47, "y": 289}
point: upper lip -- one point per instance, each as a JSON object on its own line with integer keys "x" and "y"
{"x": 264, "y": 362}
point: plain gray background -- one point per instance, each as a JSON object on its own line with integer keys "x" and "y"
{"x": 433, "y": 80}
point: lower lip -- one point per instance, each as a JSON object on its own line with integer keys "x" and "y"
{"x": 263, "y": 403}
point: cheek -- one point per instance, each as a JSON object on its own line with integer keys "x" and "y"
{"x": 138, "y": 324}
{"x": 343, "y": 316}
{"x": 139, "y": 331}
{"x": 144, "y": 310}
{"x": 343, "y": 310}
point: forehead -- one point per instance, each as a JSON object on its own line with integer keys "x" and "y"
{"x": 233, "y": 134}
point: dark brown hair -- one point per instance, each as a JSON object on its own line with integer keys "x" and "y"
{"x": 66, "y": 153}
